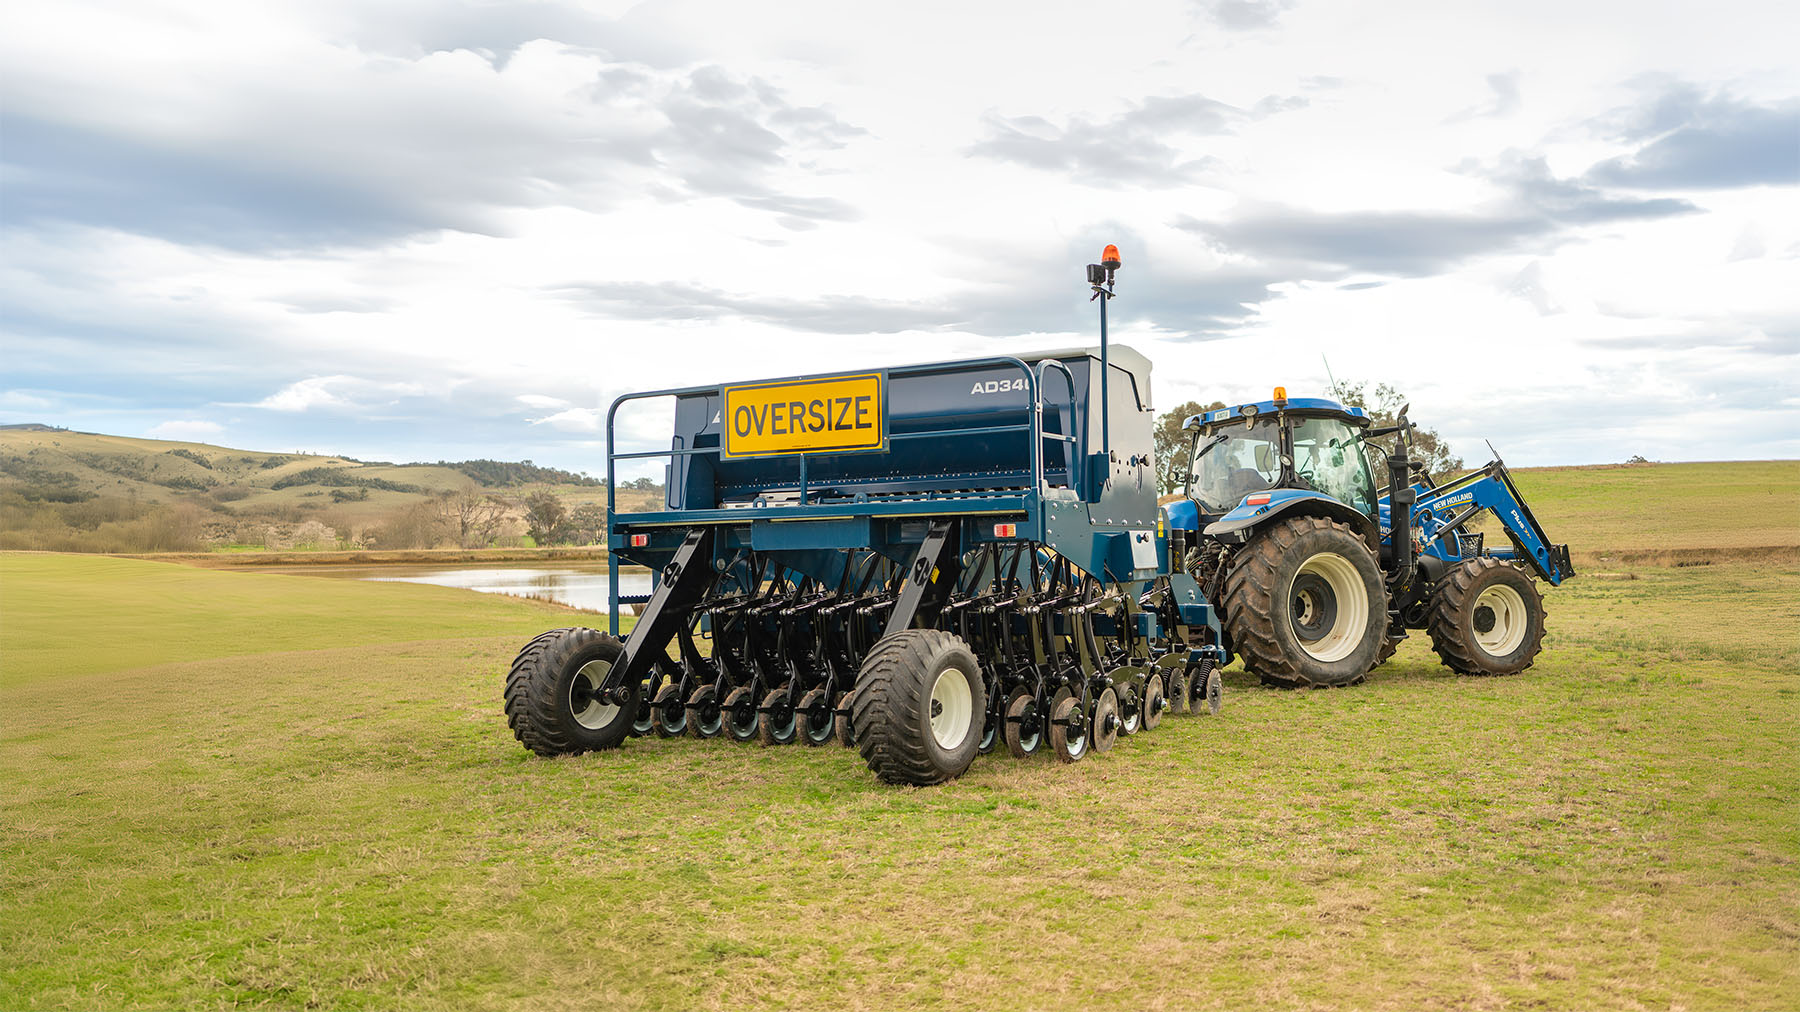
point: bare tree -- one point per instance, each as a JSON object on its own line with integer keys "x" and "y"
{"x": 472, "y": 519}
{"x": 1384, "y": 407}
{"x": 1172, "y": 445}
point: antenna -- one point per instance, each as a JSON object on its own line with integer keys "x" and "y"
{"x": 1329, "y": 376}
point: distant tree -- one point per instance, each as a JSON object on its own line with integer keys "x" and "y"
{"x": 1172, "y": 445}
{"x": 587, "y": 524}
{"x": 546, "y": 518}
{"x": 1384, "y": 407}
{"x": 472, "y": 519}
{"x": 645, "y": 485}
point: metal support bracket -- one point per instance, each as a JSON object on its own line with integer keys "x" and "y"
{"x": 929, "y": 579}
{"x": 684, "y": 582}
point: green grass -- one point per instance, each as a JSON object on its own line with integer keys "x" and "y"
{"x": 1657, "y": 507}
{"x": 230, "y": 789}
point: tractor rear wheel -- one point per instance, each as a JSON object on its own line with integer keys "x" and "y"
{"x": 551, "y": 694}
{"x": 1487, "y": 618}
{"x": 1305, "y": 604}
{"x": 920, "y": 702}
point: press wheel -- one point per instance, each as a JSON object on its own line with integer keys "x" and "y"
{"x": 777, "y": 723}
{"x": 705, "y": 718}
{"x": 1068, "y": 728}
{"x": 1023, "y": 732}
{"x": 1155, "y": 701}
{"x": 668, "y": 713}
{"x": 740, "y": 714}
{"x": 1106, "y": 720}
{"x": 817, "y": 722}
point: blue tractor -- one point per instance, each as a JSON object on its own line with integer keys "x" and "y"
{"x": 1319, "y": 571}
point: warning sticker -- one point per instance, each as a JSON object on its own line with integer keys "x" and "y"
{"x": 831, "y": 414}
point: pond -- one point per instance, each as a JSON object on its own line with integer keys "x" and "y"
{"x": 577, "y": 585}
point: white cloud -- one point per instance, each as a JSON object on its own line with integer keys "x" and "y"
{"x": 574, "y": 420}
{"x": 20, "y": 400}
{"x": 186, "y": 430}
{"x": 402, "y": 203}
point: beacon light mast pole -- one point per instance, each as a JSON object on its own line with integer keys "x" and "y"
{"x": 1100, "y": 276}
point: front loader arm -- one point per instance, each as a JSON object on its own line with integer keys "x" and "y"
{"x": 1492, "y": 488}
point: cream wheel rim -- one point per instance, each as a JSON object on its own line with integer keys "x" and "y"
{"x": 952, "y": 705}
{"x": 1499, "y": 620}
{"x": 1351, "y": 604}
{"x": 588, "y": 711}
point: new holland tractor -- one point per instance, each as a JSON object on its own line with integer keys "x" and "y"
{"x": 926, "y": 562}
{"x": 1319, "y": 574}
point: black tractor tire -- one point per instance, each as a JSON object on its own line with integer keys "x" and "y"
{"x": 542, "y": 690}
{"x": 919, "y": 706}
{"x": 1487, "y": 618}
{"x": 1305, "y": 604}
{"x": 1389, "y": 646}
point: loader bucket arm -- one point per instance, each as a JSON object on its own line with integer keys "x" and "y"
{"x": 1492, "y": 488}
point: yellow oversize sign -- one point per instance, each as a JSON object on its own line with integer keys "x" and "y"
{"x": 832, "y": 414}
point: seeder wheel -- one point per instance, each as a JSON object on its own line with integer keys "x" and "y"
{"x": 1172, "y": 666}
{"x": 704, "y": 716}
{"x": 1068, "y": 728}
{"x": 1023, "y": 733}
{"x": 817, "y": 720}
{"x": 1155, "y": 702}
{"x": 776, "y": 721}
{"x": 552, "y": 702}
{"x": 1131, "y": 710}
{"x": 668, "y": 714}
{"x": 1106, "y": 720}
{"x": 740, "y": 714}
{"x": 846, "y": 731}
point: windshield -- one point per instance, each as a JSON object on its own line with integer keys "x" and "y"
{"x": 1328, "y": 456}
{"x": 1248, "y": 460}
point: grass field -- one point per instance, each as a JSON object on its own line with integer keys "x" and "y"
{"x": 230, "y": 789}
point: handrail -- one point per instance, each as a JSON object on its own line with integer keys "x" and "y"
{"x": 1076, "y": 460}
{"x": 1034, "y": 424}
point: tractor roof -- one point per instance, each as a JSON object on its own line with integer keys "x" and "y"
{"x": 1293, "y": 405}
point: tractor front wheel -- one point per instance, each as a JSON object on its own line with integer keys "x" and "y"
{"x": 1305, "y": 604}
{"x": 1487, "y": 618}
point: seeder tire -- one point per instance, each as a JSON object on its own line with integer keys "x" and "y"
{"x": 548, "y": 694}
{"x": 1155, "y": 702}
{"x": 740, "y": 714}
{"x": 1106, "y": 721}
{"x": 846, "y": 728}
{"x": 1487, "y": 618}
{"x": 816, "y": 719}
{"x": 918, "y": 707}
{"x": 1305, "y": 604}
{"x": 1068, "y": 729}
{"x": 1023, "y": 731}
{"x": 669, "y": 712}
{"x": 705, "y": 718}
{"x": 776, "y": 721}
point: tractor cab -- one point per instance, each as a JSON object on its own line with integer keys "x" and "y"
{"x": 1249, "y": 461}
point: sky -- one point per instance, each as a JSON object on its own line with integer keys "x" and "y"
{"x": 440, "y": 229}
